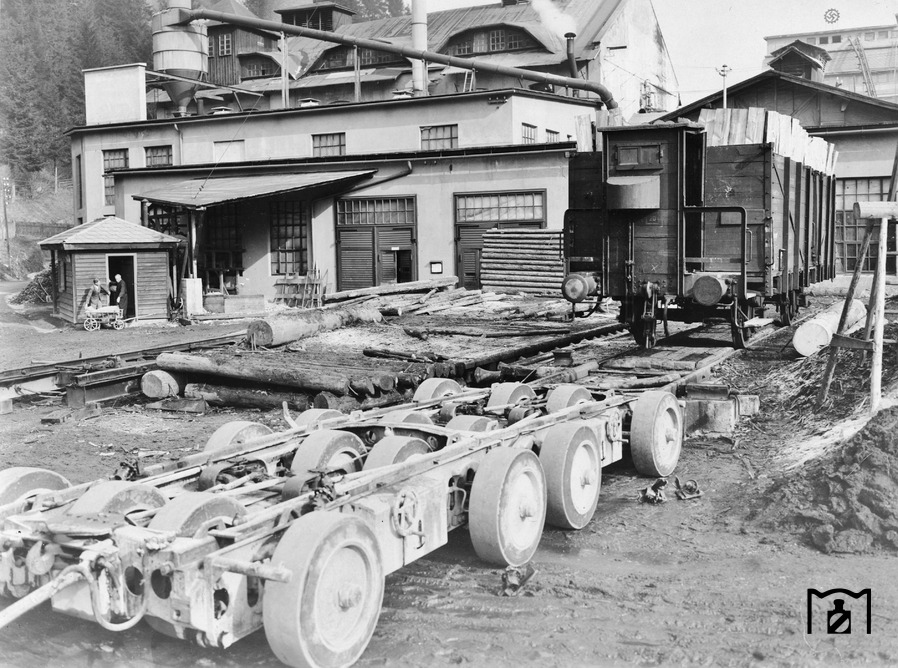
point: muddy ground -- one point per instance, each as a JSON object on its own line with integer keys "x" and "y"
{"x": 721, "y": 580}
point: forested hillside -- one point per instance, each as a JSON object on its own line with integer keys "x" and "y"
{"x": 44, "y": 46}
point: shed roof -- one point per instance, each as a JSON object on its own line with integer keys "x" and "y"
{"x": 110, "y": 232}
{"x": 199, "y": 193}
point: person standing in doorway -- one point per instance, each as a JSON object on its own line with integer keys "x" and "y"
{"x": 121, "y": 294}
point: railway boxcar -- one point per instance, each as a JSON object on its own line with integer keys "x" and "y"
{"x": 686, "y": 232}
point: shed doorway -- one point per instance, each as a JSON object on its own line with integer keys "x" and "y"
{"x": 124, "y": 265}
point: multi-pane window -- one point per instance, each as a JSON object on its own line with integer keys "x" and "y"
{"x": 850, "y": 231}
{"x": 167, "y": 219}
{"x": 869, "y": 36}
{"x": 211, "y": 47}
{"x": 497, "y": 40}
{"x": 500, "y": 207}
{"x": 159, "y": 156}
{"x": 372, "y": 57}
{"x": 385, "y": 211}
{"x": 112, "y": 159}
{"x": 224, "y": 45}
{"x": 222, "y": 229}
{"x": 824, "y": 40}
{"x": 836, "y": 39}
{"x": 552, "y": 137}
{"x": 437, "y": 137}
{"x": 289, "y": 234}
{"x": 528, "y": 133}
{"x": 329, "y": 144}
{"x": 257, "y": 67}
{"x": 490, "y": 41}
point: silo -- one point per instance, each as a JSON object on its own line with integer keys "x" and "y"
{"x": 180, "y": 51}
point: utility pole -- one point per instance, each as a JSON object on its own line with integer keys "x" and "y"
{"x": 723, "y": 71}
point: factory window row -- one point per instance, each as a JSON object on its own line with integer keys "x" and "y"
{"x": 868, "y": 36}
{"x": 490, "y": 41}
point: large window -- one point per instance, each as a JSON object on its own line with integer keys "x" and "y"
{"x": 112, "y": 159}
{"x": 167, "y": 219}
{"x": 501, "y": 207}
{"x": 159, "y": 156}
{"x": 386, "y": 211}
{"x": 329, "y": 144}
{"x": 436, "y": 137}
{"x": 342, "y": 57}
{"x": 552, "y": 136}
{"x": 849, "y": 231}
{"x": 257, "y": 67}
{"x": 289, "y": 235}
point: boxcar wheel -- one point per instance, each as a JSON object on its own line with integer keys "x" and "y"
{"x": 326, "y": 614}
{"x": 394, "y": 449}
{"x": 572, "y": 460}
{"x": 507, "y": 510}
{"x": 234, "y": 433}
{"x": 656, "y": 433}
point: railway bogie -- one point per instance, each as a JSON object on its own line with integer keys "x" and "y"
{"x": 260, "y": 532}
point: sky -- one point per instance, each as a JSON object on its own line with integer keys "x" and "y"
{"x": 704, "y": 35}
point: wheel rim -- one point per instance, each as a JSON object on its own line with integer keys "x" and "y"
{"x": 667, "y": 438}
{"x": 520, "y": 518}
{"x": 345, "y": 460}
{"x": 341, "y": 597}
{"x": 584, "y": 481}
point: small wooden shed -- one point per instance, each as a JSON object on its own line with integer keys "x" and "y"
{"x": 106, "y": 247}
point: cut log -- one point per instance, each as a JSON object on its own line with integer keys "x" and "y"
{"x": 817, "y": 333}
{"x": 393, "y": 289}
{"x": 242, "y": 397}
{"x": 281, "y": 329}
{"x": 349, "y": 404}
{"x": 273, "y": 371}
{"x": 159, "y": 384}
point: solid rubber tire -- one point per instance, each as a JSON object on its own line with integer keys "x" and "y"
{"x": 436, "y": 388}
{"x": 497, "y": 502}
{"x": 19, "y": 480}
{"x": 394, "y": 449}
{"x": 562, "y": 449}
{"x": 334, "y": 558}
{"x": 656, "y": 433}
{"x": 318, "y": 450}
{"x": 234, "y": 433}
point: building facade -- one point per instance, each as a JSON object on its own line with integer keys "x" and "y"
{"x": 371, "y": 193}
{"x": 860, "y": 60}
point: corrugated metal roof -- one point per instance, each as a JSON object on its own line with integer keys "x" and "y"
{"x": 197, "y": 193}
{"x": 877, "y": 59}
{"x": 109, "y": 231}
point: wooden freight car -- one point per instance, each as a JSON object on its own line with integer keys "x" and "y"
{"x": 682, "y": 231}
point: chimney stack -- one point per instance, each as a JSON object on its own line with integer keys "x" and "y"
{"x": 419, "y": 42}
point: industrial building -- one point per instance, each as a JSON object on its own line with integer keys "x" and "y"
{"x": 382, "y": 188}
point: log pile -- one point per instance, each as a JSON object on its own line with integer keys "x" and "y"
{"x": 520, "y": 260}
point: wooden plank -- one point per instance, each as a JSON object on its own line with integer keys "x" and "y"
{"x": 754, "y": 128}
{"x": 738, "y": 121}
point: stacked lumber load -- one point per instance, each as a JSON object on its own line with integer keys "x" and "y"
{"x": 522, "y": 260}
{"x": 732, "y": 127}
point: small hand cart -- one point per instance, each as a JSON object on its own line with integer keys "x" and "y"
{"x": 104, "y": 315}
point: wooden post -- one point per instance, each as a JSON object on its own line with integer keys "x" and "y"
{"x": 884, "y": 211}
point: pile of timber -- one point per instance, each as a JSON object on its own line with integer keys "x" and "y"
{"x": 521, "y": 260}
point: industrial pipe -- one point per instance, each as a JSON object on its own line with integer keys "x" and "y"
{"x": 171, "y": 17}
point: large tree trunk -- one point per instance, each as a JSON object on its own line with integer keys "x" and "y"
{"x": 285, "y": 327}
{"x": 817, "y": 333}
{"x": 260, "y": 369}
{"x": 242, "y": 397}
{"x": 393, "y": 289}
{"x": 349, "y": 404}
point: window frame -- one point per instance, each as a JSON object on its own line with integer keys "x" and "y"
{"x": 540, "y": 207}
{"x": 553, "y": 136}
{"x": 286, "y": 208}
{"x": 436, "y": 143}
{"x": 109, "y": 179}
{"x": 367, "y": 208}
{"x": 151, "y": 161}
{"x": 528, "y": 133}
{"x": 321, "y": 150}
{"x": 225, "y": 45}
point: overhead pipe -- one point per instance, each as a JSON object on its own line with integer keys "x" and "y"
{"x": 171, "y": 17}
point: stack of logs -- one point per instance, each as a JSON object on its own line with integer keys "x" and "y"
{"x": 521, "y": 260}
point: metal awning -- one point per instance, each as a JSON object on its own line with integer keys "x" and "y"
{"x": 200, "y": 193}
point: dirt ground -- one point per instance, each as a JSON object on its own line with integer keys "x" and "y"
{"x": 718, "y": 581}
